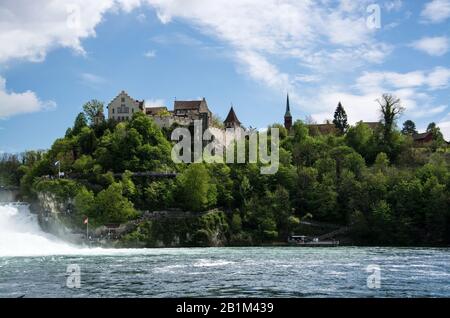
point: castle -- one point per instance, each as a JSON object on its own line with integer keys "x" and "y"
{"x": 122, "y": 108}
{"x": 184, "y": 113}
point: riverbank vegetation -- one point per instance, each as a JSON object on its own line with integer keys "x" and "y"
{"x": 376, "y": 180}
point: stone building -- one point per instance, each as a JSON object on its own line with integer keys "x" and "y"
{"x": 193, "y": 110}
{"x": 99, "y": 117}
{"x": 122, "y": 107}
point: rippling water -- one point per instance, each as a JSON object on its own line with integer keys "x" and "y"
{"x": 228, "y": 272}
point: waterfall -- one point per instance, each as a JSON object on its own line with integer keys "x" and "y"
{"x": 21, "y": 235}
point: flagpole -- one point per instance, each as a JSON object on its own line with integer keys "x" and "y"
{"x": 87, "y": 230}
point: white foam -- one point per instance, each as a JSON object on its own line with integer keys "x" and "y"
{"x": 21, "y": 235}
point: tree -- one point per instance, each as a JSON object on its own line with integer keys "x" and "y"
{"x": 112, "y": 206}
{"x": 80, "y": 123}
{"x": 92, "y": 108}
{"x": 381, "y": 162}
{"x": 360, "y": 138}
{"x": 409, "y": 128}
{"x": 436, "y": 132}
{"x": 431, "y": 126}
{"x": 84, "y": 204}
{"x": 438, "y": 137}
{"x": 194, "y": 189}
{"x": 340, "y": 119}
{"x": 159, "y": 195}
{"x": 391, "y": 109}
{"x": 217, "y": 122}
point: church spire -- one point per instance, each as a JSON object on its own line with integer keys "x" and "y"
{"x": 288, "y": 108}
{"x": 287, "y": 115}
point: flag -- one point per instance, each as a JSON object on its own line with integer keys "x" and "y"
{"x": 86, "y": 221}
{"x": 57, "y": 163}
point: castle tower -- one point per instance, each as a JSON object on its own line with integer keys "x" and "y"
{"x": 99, "y": 117}
{"x": 288, "y": 116}
{"x": 232, "y": 121}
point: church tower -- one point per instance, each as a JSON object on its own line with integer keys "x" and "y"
{"x": 232, "y": 121}
{"x": 288, "y": 116}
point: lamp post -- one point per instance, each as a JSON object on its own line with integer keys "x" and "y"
{"x": 58, "y": 163}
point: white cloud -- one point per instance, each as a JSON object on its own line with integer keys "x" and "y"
{"x": 436, "y": 11}
{"x": 150, "y": 54}
{"x": 260, "y": 69}
{"x": 393, "y": 5}
{"x": 32, "y": 28}
{"x": 428, "y": 112}
{"x": 141, "y": 17}
{"x": 437, "y": 78}
{"x": 358, "y": 106}
{"x": 321, "y": 36}
{"x": 434, "y": 46}
{"x": 315, "y": 34}
{"x": 12, "y": 103}
{"x": 360, "y": 101}
{"x": 92, "y": 79}
{"x": 154, "y": 102}
{"x": 445, "y": 129}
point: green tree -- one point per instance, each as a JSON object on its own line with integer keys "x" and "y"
{"x": 381, "y": 162}
{"x": 87, "y": 141}
{"x": 112, "y": 207}
{"x": 80, "y": 123}
{"x": 391, "y": 109}
{"x": 340, "y": 119}
{"x": 84, "y": 203}
{"x": 360, "y": 138}
{"x": 382, "y": 222}
{"x": 92, "y": 108}
{"x": 195, "y": 191}
{"x": 436, "y": 212}
{"x": 438, "y": 137}
{"x": 128, "y": 186}
{"x": 217, "y": 122}
{"x": 159, "y": 195}
{"x": 409, "y": 128}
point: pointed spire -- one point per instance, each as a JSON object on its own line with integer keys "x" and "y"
{"x": 231, "y": 118}
{"x": 288, "y": 108}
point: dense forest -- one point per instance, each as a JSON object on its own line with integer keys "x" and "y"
{"x": 388, "y": 189}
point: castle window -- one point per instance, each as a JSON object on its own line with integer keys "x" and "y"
{"x": 113, "y": 110}
{"x": 123, "y": 99}
{"x": 123, "y": 109}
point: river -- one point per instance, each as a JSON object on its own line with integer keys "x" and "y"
{"x": 36, "y": 264}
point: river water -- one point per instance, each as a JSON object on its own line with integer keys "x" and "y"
{"x": 35, "y": 264}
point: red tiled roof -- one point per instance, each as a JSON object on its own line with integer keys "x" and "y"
{"x": 423, "y": 136}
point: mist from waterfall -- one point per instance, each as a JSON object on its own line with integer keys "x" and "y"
{"x": 21, "y": 235}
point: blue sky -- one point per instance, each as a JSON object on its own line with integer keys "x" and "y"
{"x": 56, "y": 55}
